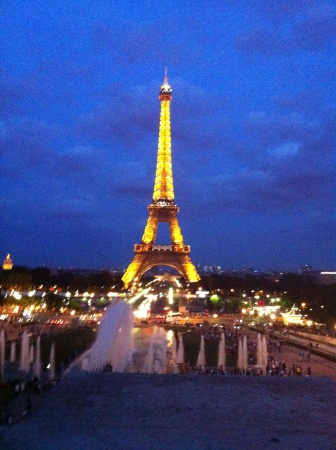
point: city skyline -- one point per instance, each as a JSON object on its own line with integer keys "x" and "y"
{"x": 253, "y": 130}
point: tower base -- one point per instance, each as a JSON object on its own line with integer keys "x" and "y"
{"x": 148, "y": 256}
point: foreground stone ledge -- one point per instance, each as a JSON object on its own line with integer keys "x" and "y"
{"x": 143, "y": 411}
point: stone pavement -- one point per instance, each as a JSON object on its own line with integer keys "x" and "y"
{"x": 141, "y": 411}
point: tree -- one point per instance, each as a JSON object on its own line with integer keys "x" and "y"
{"x": 41, "y": 275}
{"x": 53, "y": 301}
{"x": 214, "y": 302}
{"x": 19, "y": 277}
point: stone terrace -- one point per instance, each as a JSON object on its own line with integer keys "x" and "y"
{"x": 138, "y": 411}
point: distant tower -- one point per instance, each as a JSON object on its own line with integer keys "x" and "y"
{"x": 162, "y": 209}
{"x": 8, "y": 263}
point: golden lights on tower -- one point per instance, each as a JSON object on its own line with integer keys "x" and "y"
{"x": 163, "y": 185}
{"x": 162, "y": 209}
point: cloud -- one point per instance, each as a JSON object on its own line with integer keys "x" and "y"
{"x": 15, "y": 92}
{"x": 71, "y": 215}
{"x": 28, "y": 146}
{"x": 130, "y": 42}
{"x": 208, "y": 109}
{"x": 125, "y": 115}
{"x": 135, "y": 191}
{"x": 282, "y": 9}
{"x": 25, "y": 144}
{"x": 284, "y": 150}
{"x": 305, "y": 185}
{"x": 289, "y": 165}
{"x": 276, "y": 129}
{"x": 295, "y": 25}
{"x": 271, "y": 190}
{"x": 317, "y": 31}
{"x": 173, "y": 39}
{"x": 308, "y": 102}
{"x": 130, "y": 116}
{"x": 261, "y": 40}
{"x": 76, "y": 162}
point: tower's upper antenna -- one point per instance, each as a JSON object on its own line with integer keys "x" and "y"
{"x": 166, "y": 90}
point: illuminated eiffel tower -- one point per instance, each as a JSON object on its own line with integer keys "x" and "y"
{"x": 162, "y": 209}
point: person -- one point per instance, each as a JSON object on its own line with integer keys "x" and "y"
{"x": 283, "y": 364}
{"x": 308, "y": 371}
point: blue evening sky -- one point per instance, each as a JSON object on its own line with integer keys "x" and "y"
{"x": 253, "y": 129}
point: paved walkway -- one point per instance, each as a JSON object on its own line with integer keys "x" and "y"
{"x": 309, "y": 340}
{"x": 320, "y": 366}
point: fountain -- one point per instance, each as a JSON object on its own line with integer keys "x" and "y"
{"x": 31, "y": 354}
{"x": 156, "y": 360}
{"x": 242, "y": 362}
{"x": 12, "y": 357}
{"x": 240, "y": 354}
{"x": 113, "y": 347}
{"x": 174, "y": 354}
{"x": 37, "y": 363}
{"x": 259, "y": 357}
{"x": 114, "y": 351}
{"x": 201, "y": 360}
{"x": 24, "y": 356}
{"x": 245, "y": 352}
{"x": 262, "y": 352}
{"x": 2, "y": 349}
{"x": 180, "y": 351}
{"x": 222, "y": 353}
{"x": 52, "y": 367}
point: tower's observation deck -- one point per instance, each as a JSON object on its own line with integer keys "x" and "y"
{"x": 162, "y": 209}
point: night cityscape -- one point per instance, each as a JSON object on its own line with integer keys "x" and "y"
{"x": 167, "y": 227}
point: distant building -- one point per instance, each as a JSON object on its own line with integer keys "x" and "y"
{"x": 293, "y": 317}
{"x": 8, "y": 263}
{"x": 212, "y": 270}
{"x": 327, "y": 277}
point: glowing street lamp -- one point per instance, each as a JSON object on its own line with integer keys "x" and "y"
{"x": 309, "y": 324}
{"x": 171, "y": 296}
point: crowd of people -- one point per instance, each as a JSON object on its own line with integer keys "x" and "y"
{"x": 276, "y": 364}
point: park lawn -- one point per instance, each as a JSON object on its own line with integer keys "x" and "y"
{"x": 192, "y": 342}
{"x": 68, "y": 344}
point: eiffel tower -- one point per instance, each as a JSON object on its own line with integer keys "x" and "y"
{"x": 162, "y": 209}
